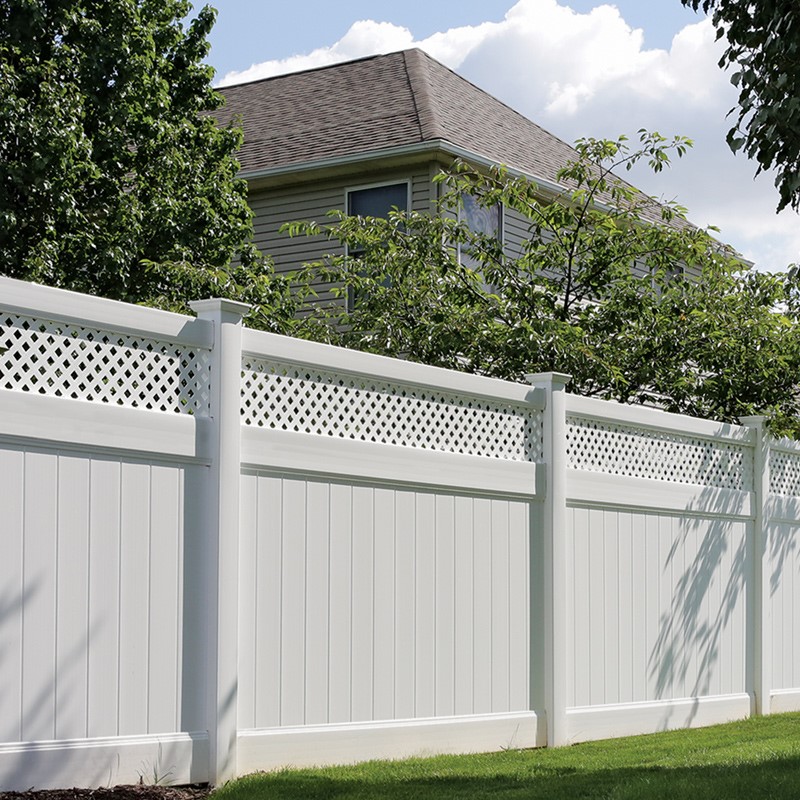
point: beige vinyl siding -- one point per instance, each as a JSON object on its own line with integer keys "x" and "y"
{"x": 515, "y": 232}
{"x": 273, "y": 208}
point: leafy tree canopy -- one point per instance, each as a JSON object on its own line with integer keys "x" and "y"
{"x": 764, "y": 48}
{"x": 596, "y": 290}
{"x": 114, "y": 178}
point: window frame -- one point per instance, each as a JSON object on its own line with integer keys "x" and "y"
{"x": 501, "y": 222}
{"x": 348, "y": 190}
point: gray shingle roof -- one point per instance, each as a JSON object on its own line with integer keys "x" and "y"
{"x": 377, "y": 103}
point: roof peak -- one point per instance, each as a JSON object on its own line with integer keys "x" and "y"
{"x": 380, "y": 102}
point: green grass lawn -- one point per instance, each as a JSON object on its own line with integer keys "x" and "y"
{"x": 756, "y": 758}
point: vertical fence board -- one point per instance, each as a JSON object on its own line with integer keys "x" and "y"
{"x": 72, "y": 565}
{"x": 268, "y": 602}
{"x": 425, "y": 621}
{"x": 500, "y": 607}
{"x": 293, "y": 601}
{"x": 405, "y": 605}
{"x": 611, "y": 606}
{"x": 482, "y": 606}
{"x": 13, "y": 595}
{"x": 166, "y": 589}
{"x": 464, "y": 640}
{"x": 363, "y": 588}
{"x": 384, "y": 604}
{"x": 596, "y": 633}
{"x": 40, "y": 593}
{"x": 134, "y": 652}
{"x": 317, "y": 610}
{"x": 519, "y": 612}
{"x": 445, "y": 606}
{"x": 626, "y": 606}
{"x": 581, "y": 604}
{"x": 248, "y": 589}
{"x": 104, "y": 598}
{"x": 341, "y": 602}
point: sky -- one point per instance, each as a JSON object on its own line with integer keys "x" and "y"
{"x": 576, "y": 67}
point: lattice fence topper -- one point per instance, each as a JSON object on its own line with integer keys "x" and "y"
{"x": 307, "y": 400}
{"x": 67, "y": 360}
{"x": 618, "y": 449}
{"x": 784, "y": 473}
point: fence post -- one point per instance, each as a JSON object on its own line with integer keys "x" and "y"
{"x": 555, "y": 553}
{"x": 222, "y": 509}
{"x": 761, "y": 657}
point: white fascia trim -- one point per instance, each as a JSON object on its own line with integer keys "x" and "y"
{"x": 432, "y": 147}
{"x": 419, "y": 148}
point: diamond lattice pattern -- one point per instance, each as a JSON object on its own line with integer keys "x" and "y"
{"x": 66, "y": 360}
{"x": 640, "y": 453}
{"x": 784, "y": 473}
{"x": 293, "y": 398}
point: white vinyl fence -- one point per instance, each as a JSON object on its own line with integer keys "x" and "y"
{"x": 225, "y": 550}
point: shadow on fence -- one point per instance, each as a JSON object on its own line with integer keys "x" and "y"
{"x": 782, "y": 546}
{"x": 22, "y": 770}
{"x": 693, "y": 629}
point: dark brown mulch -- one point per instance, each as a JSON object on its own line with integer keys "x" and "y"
{"x": 138, "y": 792}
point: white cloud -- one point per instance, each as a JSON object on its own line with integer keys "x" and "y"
{"x": 590, "y": 75}
{"x": 364, "y": 38}
{"x": 452, "y": 46}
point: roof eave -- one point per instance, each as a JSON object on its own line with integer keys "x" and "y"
{"x": 430, "y": 148}
{"x": 338, "y": 163}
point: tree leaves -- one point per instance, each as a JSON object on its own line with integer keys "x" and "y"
{"x": 112, "y": 170}
{"x": 763, "y": 41}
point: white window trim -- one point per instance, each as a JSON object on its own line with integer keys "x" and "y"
{"x": 378, "y": 185}
{"x": 360, "y": 188}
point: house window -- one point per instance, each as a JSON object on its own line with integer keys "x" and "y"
{"x": 377, "y": 201}
{"x": 487, "y": 220}
{"x": 374, "y": 201}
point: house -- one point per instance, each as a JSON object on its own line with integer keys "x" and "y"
{"x": 370, "y": 134}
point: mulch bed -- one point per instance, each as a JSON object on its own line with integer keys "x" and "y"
{"x": 138, "y": 792}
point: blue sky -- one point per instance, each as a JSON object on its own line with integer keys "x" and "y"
{"x": 576, "y": 67}
{"x": 248, "y": 32}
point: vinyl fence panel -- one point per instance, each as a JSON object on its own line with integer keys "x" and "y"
{"x": 225, "y": 550}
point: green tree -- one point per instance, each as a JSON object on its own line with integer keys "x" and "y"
{"x": 763, "y": 46}
{"x": 597, "y": 291}
{"x": 114, "y": 178}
